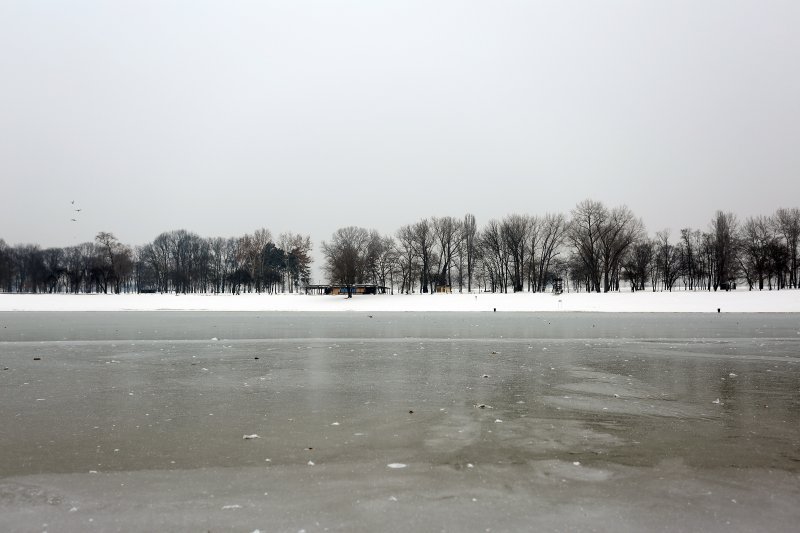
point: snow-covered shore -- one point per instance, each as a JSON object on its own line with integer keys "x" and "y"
{"x": 786, "y": 301}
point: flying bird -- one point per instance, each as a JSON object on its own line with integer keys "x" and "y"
{"x": 78, "y": 210}
{"x": 72, "y": 202}
{"x": 72, "y": 219}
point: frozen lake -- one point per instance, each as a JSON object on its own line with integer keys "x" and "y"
{"x": 503, "y": 422}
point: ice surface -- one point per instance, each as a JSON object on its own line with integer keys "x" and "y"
{"x": 659, "y": 453}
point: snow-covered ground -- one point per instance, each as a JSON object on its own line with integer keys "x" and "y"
{"x": 786, "y": 301}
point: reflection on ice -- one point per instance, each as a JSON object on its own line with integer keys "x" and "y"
{"x": 605, "y": 423}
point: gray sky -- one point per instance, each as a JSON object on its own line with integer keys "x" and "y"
{"x": 223, "y": 117}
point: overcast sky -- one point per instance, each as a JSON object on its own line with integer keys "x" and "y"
{"x": 223, "y": 117}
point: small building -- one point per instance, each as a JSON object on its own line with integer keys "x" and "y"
{"x": 316, "y": 289}
{"x": 337, "y": 289}
{"x": 444, "y": 289}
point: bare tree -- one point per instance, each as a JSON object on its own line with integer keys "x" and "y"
{"x": 495, "y": 258}
{"x": 407, "y": 260}
{"x": 297, "y": 249}
{"x": 546, "y": 237}
{"x": 691, "y": 264}
{"x": 53, "y": 259}
{"x": 637, "y": 264}
{"x": 470, "y": 239}
{"x": 446, "y": 231}
{"x": 668, "y": 261}
{"x": 381, "y": 260}
{"x": 115, "y": 262}
{"x": 253, "y": 248}
{"x": 621, "y": 230}
{"x": 787, "y": 223}
{"x": 235, "y": 273}
{"x": 514, "y": 230}
{"x": 216, "y": 246}
{"x": 586, "y": 233}
{"x": 424, "y": 241}
{"x": 756, "y": 241}
{"x": 723, "y": 233}
{"x": 346, "y": 256}
{"x": 6, "y": 267}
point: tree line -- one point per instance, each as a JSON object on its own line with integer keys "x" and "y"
{"x": 175, "y": 261}
{"x": 594, "y": 248}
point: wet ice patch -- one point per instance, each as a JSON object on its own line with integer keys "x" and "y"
{"x": 453, "y": 431}
{"x": 540, "y": 435}
{"x": 560, "y": 470}
{"x": 12, "y": 493}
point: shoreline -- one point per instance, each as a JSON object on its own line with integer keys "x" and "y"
{"x": 783, "y": 301}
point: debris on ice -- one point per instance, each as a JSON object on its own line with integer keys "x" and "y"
{"x": 253, "y": 436}
{"x": 396, "y": 465}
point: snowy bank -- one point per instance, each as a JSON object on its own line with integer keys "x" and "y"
{"x": 785, "y": 301}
